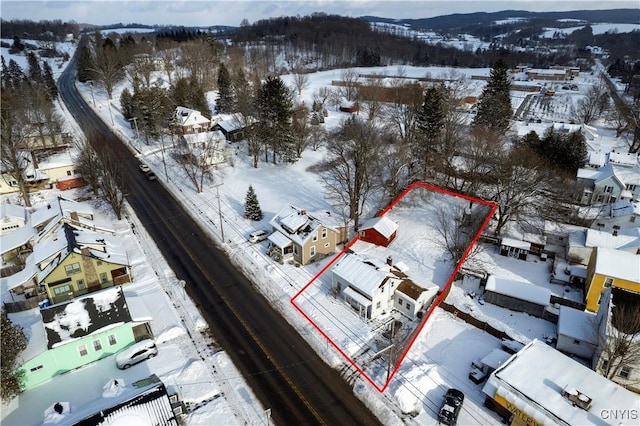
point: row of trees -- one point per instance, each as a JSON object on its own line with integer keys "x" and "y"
{"x": 29, "y": 118}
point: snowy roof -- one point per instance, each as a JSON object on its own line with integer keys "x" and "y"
{"x": 204, "y": 138}
{"x": 577, "y": 324}
{"x": 12, "y": 210}
{"x": 361, "y": 273}
{"x": 623, "y": 159}
{"x": 617, "y": 264}
{"x": 16, "y": 238}
{"x": 297, "y": 224}
{"x": 84, "y": 315}
{"x": 533, "y": 380}
{"x": 519, "y": 290}
{"x": 189, "y": 117}
{"x": 511, "y": 242}
{"x": 144, "y": 402}
{"x": 495, "y": 358}
{"x": 357, "y": 296}
{"x": 232, "y": 122}
{"x": 382, "y": 224}
{"x": 626, "y": 238}
{"x": 597, "y": 159}
{"x": 279, "y": 239}
{"x": 620, "y": 208}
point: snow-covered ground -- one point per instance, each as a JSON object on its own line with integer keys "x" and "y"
{"x": 440, "y": 357}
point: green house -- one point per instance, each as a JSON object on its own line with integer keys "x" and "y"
{"x": 84, "y": 330}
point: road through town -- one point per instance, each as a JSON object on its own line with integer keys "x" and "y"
{"x": 282, "y": 369}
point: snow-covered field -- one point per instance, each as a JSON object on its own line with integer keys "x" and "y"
{"x": 440, "y": 357}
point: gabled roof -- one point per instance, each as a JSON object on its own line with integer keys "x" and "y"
{"x": 627, "y": 238}
{"x": 85, "y": 315}
{"x": 382, "y": 224}
{"x": 297, "y": 224}
{"x": 232, "y": 122}
{"x": 12, "y": 210}
{"x": 190, "y": 117}
{"x": 363, "y": 274}
{"x": 617, "y": 264}
{"x": 410, "y": 289}
{"x": 577, "y": 324}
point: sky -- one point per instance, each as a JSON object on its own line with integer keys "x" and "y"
{"x": 206, "y": 13}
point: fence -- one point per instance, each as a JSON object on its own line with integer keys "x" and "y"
{"x": 24, "y": 305}
{"x": 482, "y": 325}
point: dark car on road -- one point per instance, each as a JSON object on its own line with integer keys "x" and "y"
{"x": 451, "y": 407}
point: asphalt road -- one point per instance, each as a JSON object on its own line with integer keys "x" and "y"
{"x": 282, "y": 369}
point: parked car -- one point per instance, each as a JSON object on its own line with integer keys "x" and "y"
{"x": 143, "y": 167}
{"x": 257, "y": 236}
{"x": 136, "y": 353}
{"x": 451, "y": 407}
{"x": 151, "y": 176}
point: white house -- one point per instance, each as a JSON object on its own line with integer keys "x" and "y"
{"x": 374, "y": 288}
{"x": 618, "y": 178}
{"x": 12, "y": 217}
{"x": 206, "y": 148}
{"x": 190, "y": 121}
{"x": 619, "y": 215}
{"x": 582, "y": 242}
{"x": 576, "y": 332}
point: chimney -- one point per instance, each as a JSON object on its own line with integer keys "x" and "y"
{"x": 303, "y": 211}
{"x": 390, "y": 260}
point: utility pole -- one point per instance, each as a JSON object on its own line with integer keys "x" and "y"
{"x": 94, "y": 99}
{"x": 111, "y": 114}
{"x": 135, "y": 122}
{"x": 219, "y": 210}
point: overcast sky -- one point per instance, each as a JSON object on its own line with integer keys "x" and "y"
{"x": 204, "y": 13}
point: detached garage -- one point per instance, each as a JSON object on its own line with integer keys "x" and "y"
{"x": 379, "y": 230}
{"x": 517, "y": 295}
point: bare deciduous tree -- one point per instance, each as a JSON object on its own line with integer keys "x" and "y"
{"x": 113, "y": 182}
{"x": 300, "y": 81}
{"x": 402, "y": 112}
{"x": 351, "y": 174}
{"x": 592, "y": 105}
{"x": 456, "y": 227}
{"x": 371, "y": 96}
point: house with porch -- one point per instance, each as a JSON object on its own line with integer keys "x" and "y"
{"x": 610, "y": 268}
{"x": 373, "y": 287}
{"x": 205, "y": 148}
{"x": 188, "y": 120}
{"x": 305, "y": 236}
{"x": 66, "y": 336}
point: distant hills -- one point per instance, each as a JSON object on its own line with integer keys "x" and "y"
{"x": 460, "y": 21}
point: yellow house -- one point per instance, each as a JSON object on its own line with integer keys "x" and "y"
{"x": 610, "y": 268}
{"x": 79, "y": 261}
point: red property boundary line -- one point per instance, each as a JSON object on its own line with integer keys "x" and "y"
{"x": 436, "y": 302}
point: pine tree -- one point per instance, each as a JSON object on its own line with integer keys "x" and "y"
{"x": 275, "y": 110}
{"x": 35, "y": 72}
{"x": 50, "y": 82}
{"x": 126, "y": 103}
{"x": 225, "y": 102}
{"x": 430, "y": 121}
{"x": 13, "y": 341}
{"x": 15, "y": 76}
{"x": 494, "y": 108}
{"x": 252, "y": 208}
{"x": 85, "y": 65}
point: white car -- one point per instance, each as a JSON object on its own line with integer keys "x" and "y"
{"x": 136, "y": 353}
{"x": 144, "y": 168}
{"x": 257, "y": 236}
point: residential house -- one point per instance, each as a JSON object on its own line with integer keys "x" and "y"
{"x": 541, "y": 386}
{"x": 39, "y": 174}
{"x": 68, "y": 335}
{"x": 576, "y": 332}
{"x": 517, "y": 295}
{"x": 617, "y": 179}
{"x": 618, "y": 327}
{"x": 380, "y": 231}
{"x": 206, "y": 148}
{"x": 305, "y": 236}
{"x": 188, "y": 120}
{"x": 583, "y": 242}
{"x": 374, "y": 288}
{"x": 616, "y": 216}
{"x": 12, "y": 217}
{"x": 232, "y": 126}
{"x": 145, "y": 401}
{"x": 610, "y": 268}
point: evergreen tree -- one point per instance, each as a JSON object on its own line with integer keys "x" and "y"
{"x": 13, "y": 341}
{"x": 85, "y": 65}
{"x": 15, "y": 76}
{"x": 429, "y": 122}
{"x": 126, "y": 103}
{"x": 35, "y": 72}
{"x": 5, "y": 75}
{"x": 225, "y": 102}
{"x": 567, "y": 151}
{"x": 50, "y": 82}
{"x": 188, "y": 93}
{"x": 494, "y": 108}
{"x": 252, "y": 208}
{"x": 275, "y": 111}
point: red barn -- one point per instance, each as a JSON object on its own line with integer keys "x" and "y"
{"x": 379, "y": 230}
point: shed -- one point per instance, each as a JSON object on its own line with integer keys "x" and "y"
{"x": 577, "y": 332}
{"x": 379, "y": 230}
{"x": 514, "y": 248}
{"x": 517, "y": 295}
{"x": 70, "y": 182}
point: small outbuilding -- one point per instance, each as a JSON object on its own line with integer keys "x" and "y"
{"x": 515, "y": 248}
{"x": 517, "y": 295}
{"x": 380, "y": 231}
